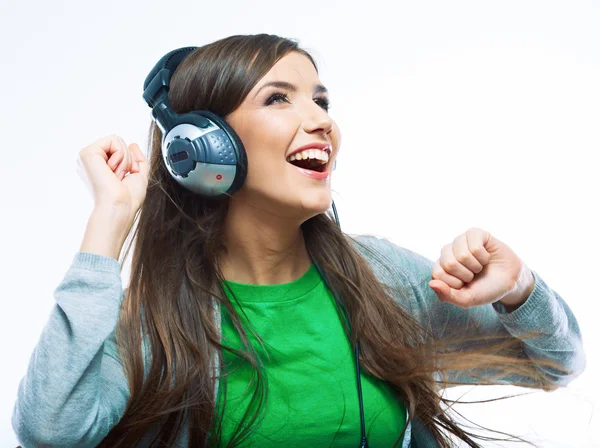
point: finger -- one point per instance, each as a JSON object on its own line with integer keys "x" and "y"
{"x": 127, "y": 157}
{"x": 135, "y": 166}
{"x": 441, "y": 289}
{"x": 463, "y": 255}
{"x": 450, "y": 264}
{"x": 140, "y": 159}
{"x": 115, "y": 160}
{"x": 124, "y": 165}
{"x": 460, "y": 297}
{"x": 477, "y": 239}
{"x": 439, "y": 274}
{"x": 109, "y": 145}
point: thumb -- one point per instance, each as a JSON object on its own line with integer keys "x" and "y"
{"x": 463, "y": 297}
{"x": 441, "y": 289}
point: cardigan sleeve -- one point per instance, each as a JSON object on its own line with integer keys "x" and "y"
{"x": 557, "y": 339}
{"x": 75, "y": 390}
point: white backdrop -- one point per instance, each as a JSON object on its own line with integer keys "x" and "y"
{"x": 453, "y": 115}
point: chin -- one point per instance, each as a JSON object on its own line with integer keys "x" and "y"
{"x": 316, "y": 203}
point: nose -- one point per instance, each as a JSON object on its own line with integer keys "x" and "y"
{"x": 317, "y": 119}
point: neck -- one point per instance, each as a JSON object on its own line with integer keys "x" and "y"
{"x": 261, "y": 248}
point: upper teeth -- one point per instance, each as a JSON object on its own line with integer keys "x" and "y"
{"x": 310, "y": 154}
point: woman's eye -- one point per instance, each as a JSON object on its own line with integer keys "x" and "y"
{"x": 276, "y": 97}
{"x": 323, "y": 102}
{"x": 282, "y": 97}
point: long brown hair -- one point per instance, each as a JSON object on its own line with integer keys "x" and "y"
{"x": 176, "y": 282}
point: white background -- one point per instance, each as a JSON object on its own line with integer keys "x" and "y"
{"x": 453, "y": 114}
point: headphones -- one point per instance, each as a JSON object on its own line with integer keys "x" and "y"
{"x": 200, "y": 150}
{"x": 205, "y": 155}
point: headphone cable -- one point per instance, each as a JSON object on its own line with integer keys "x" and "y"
{"x": 363, "y": 432}
{"x": 363, "y": 435}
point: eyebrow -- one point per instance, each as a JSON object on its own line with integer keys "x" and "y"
{"x": 319, "y": 88}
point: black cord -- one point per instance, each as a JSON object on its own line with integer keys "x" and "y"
{"x": 363, "y": 432}
{"x": 335, "y": 215}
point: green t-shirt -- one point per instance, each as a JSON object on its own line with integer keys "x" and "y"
{"x": 310, "y": 368}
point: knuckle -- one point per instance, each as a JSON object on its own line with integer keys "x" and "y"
{"x": 450, "y": 265}
{"x": 474, "y": 230}
{"x": 477, "y": 250}
{"x": 437, "y": 271}
{"x": 462, "y": 258}
{"x": 456, "y": 283}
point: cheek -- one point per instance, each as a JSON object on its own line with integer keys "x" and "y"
{"x": 266, "y": 160}
{"x": 267, "y": 140}
{"x": 264, "y": 125}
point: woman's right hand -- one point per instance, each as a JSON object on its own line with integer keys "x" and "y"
{"x": 115, "y": 174}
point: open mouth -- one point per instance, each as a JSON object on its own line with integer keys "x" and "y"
{"x": 311, "y": 159}
{"x": 310, "y": 164}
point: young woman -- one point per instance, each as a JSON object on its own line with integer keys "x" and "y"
{"x": 244, "y": 311}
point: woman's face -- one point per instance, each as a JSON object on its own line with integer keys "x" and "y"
{"x": 285, "y": 111}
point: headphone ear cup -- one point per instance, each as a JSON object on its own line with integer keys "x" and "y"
{"x": 238, "y": 148}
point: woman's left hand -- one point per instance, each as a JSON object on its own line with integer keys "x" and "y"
{"x": 477, "y": 269}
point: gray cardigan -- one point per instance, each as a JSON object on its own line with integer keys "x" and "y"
{"x": 75, "y": 389}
